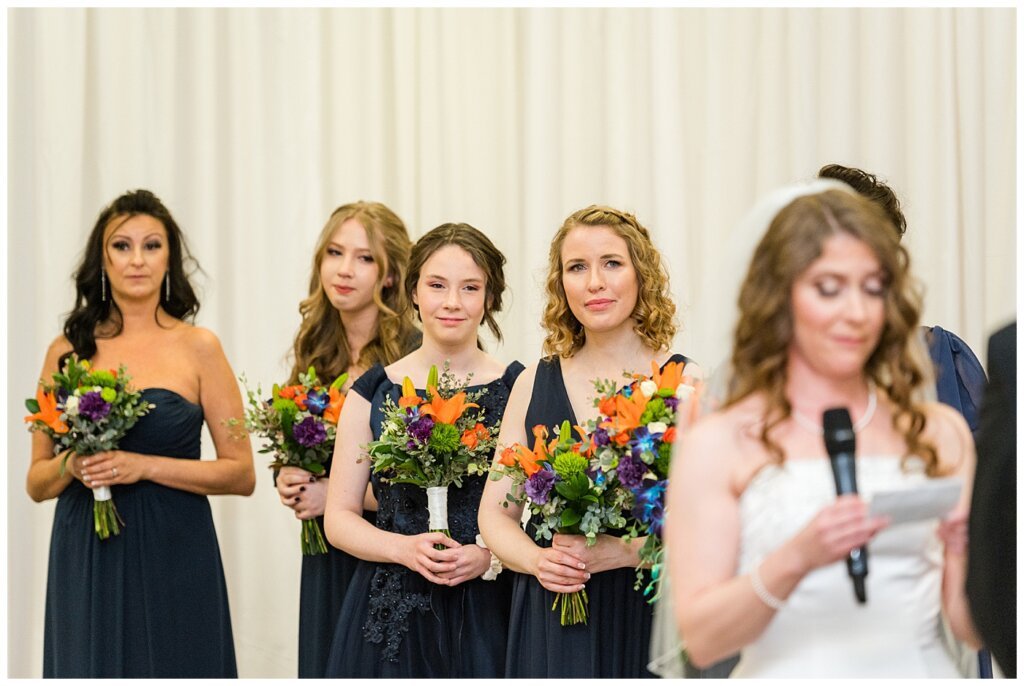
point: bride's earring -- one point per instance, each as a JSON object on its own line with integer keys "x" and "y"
{"x": 103, "y": 286}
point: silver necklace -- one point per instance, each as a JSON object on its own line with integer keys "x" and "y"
{"x": 816, "y": 428}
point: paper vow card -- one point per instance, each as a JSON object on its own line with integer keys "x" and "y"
{"x": 931, "y": 500}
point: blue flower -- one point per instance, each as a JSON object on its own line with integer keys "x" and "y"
{"x": 316, "y": 402}
{"x": 641, "y": 442}
{"x": 650, "y": 506}
{"x": 597, "y": 476}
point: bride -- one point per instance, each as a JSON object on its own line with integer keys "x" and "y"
{"x": 757, "y": 537}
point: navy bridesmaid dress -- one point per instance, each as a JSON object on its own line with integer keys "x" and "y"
{"x": 396, "y": 624}
{"x": 150, "y": 602}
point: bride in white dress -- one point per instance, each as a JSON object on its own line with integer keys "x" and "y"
{"x": 757, "y": 539}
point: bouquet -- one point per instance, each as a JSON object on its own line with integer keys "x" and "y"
{"x": 86, "y": 411}
{"x": 634, "y": 433}
{"x": 569, "y": 490}
{"x": 433, "y": 442}
{"x": 299, "y": 423}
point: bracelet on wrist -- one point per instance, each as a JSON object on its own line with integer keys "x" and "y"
{"x": 496, "y": 568}
{"x": 763, "y": 594}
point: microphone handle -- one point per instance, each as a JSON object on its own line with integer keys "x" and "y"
{"x": 845, "y": 475}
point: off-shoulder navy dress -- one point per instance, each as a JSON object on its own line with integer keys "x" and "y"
{"x": 615, "y": 641}
{"x": 150, "y": 602}
{"x": 396, "y": 624}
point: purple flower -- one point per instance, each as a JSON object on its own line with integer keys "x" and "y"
{"x": 421, "y": 428}
{"x": 62, "y": 396}
{"x": 539, "y": 486}
{"x": 671, "y": 403}
{"x": 93, "y": 407}
{"x": 601, "y": 438}
{"x": 316, "y": 402}
{"x": 309, "y": 432}
{"x": 650, "y": 506}
{"x": 631, "y": 472}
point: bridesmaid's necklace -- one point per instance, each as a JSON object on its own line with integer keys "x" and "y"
{"x": 816, "y": 428}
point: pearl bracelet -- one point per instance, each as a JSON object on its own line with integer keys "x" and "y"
{"x": 495, "y": 569}
{"x": 763, "y": 593}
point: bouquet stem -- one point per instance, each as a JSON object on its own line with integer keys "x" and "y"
{"x": 437, "y": 507}
{"x": 573, "y": 607}
{"x": 106, "y": 519}
{"x": 312, "y": 539}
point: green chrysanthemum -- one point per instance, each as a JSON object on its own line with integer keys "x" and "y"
{"x": 102, "y": 377}
{"x": 568, "y": 465}
{"x": 108, "y": 394}
{"x": 444, "y": 438}
{"x": 655, "y": 408}
{"x": 661, "y": 462}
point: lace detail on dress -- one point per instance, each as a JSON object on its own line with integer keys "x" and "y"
{"x": 395, "y": 590}
{"x": 390, "y": 605}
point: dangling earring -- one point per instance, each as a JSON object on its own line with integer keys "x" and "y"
{"x": 103, "y": 286}
{"x": 167, "y": 286}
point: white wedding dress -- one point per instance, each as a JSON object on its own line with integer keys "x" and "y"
{"x": 822, "y": 631}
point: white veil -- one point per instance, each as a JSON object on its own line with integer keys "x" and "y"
{"x": 718, "y": 324}
{"x": 713, "y": 348}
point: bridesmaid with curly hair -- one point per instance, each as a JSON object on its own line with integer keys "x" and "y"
{"x": 608, "y": 311}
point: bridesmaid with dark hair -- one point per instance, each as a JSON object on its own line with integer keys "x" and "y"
{"x": 151, "y": 601}
{"x": 411, "y": 610}
{"x": 355, "y": 317}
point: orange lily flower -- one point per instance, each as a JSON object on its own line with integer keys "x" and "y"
{"x": 471, "y": 437}
{"x": 300, "y": 401}
{"x": 628, "y": 411}
{"x": 446, "y": 411}
{"x": 668, "y": 378}
{"x": 409, "y": 397}
{"x": 48, "y": 413}
{"x": 333, "y": 410}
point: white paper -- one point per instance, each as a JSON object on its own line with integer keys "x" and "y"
{"x": 102, "y": 493}
{"x": 931, "y": 500}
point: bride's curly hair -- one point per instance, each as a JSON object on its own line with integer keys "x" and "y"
{"x": 654, "y": 313}
{"x": 321, "y": 341}
{"x": 794, "y": 240}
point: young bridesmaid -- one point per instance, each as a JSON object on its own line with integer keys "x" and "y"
{"x": 608, "y": 311}
{"x": 411, "y": 610}
{"x": 355, "y": 317}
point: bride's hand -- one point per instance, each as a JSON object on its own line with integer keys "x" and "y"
{"x": 952, "y": 532}
{"x": 837, "y": 529}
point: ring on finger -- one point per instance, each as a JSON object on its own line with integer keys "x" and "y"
{"x": 113, "y": 472}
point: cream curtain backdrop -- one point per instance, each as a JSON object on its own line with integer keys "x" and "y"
{"x": 252, "y": 125}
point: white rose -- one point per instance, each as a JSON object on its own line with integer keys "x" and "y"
{"x": 648, "y": 388}
{"x": 684, "y": 391}
{"x": 71, "y": 405}
{"x": 657, "y": 427}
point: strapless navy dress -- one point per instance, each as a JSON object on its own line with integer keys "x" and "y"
{"x": 150, "y": 602}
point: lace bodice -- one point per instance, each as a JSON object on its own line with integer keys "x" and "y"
{"x": 395, "y": 591}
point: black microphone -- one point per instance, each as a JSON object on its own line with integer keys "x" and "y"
{"x": 840, "y": 442}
